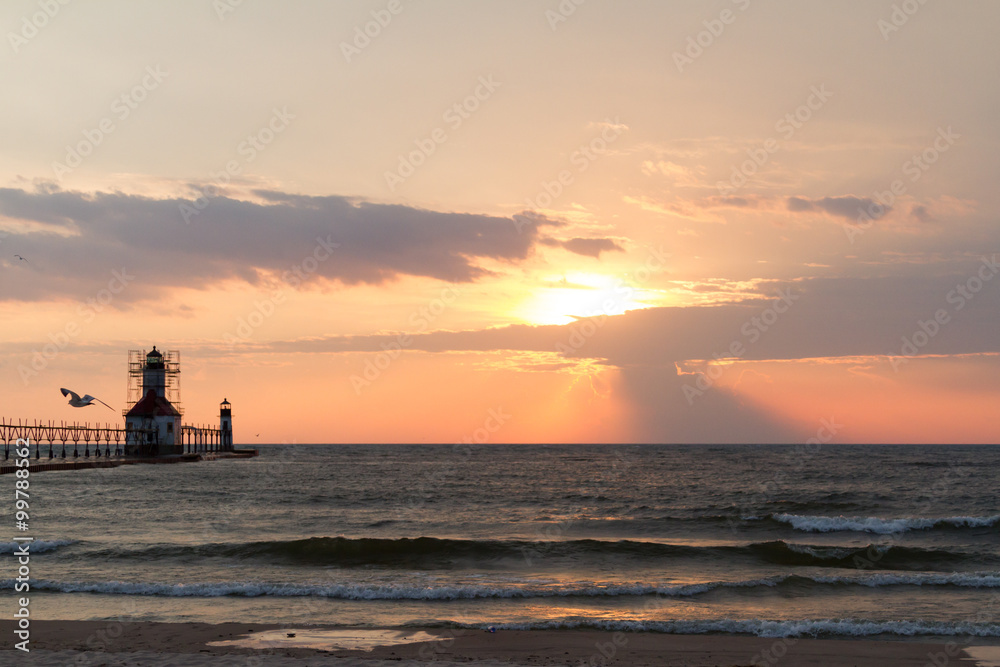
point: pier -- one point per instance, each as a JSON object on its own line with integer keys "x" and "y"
{"x": 70, "y": 446}
{"x": 153, "y": 431}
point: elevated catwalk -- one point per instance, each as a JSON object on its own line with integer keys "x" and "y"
{"x": 60, "y": 446}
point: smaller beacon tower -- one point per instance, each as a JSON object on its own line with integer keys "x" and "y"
{"x": 226, "y": 425}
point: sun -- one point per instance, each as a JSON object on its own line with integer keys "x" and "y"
{"x": 568, "y": 297}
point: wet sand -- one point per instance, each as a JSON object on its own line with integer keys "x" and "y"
{"x": 127, "y": 643}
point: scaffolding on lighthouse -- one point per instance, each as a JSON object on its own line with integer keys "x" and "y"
{"x": 172, "y": 377}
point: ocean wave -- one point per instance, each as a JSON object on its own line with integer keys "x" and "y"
{"x": 472, "y": 592}
{"x": 880, "y": 526}
{"x": 405, "y": 552}
{"x": 332, "y": 550}
{"x": 376, "y": 592}
{"x": 767, "y": 628}
{"x": 36, "y": 547}
{"x": 880, "y": 579}
{"x": 873, "y": 556}
{"x": 441, "y": 553}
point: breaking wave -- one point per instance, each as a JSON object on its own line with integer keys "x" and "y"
{"x": 470, "y": 592}
{"x": 879, "y": 526}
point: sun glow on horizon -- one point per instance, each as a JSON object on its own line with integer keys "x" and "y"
{"x": 568, "y": 297}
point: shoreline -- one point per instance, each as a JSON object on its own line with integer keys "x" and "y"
{"x": 518, "y": 647}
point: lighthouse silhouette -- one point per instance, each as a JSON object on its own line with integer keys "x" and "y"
{"x": 154, "y": 422}
{"x": 226, "y": 424}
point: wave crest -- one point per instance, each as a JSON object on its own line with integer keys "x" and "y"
{"x": 36, "y": 547}
{"x": 470, "y": 592}
{"x": 880, "y": 526}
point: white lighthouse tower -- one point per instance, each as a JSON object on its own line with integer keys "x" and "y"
{"x": 153, "y": 422}
{"x": 154, "y": 374}
{"x": 226, "y": 425}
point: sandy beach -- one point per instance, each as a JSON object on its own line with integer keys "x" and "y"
{"x": 110, "y": 643}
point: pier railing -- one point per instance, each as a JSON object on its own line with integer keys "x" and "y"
{"x": 64, "y": 439}
{"x": 205, "y": 439}
{"x": 66, "y": 434}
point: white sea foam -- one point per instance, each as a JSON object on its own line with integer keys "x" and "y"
{"x": 880, "y": 579}
{"x": 880, "y": 526}
{"x": 360, "y": 592}
{"x": 36, "y": 547}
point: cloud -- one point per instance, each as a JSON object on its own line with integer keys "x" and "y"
{"x": 736, "y": 202}
{"x": 648, "y": 355}
{"x": 825, "y": 317}
{"x": 848, "y": 206}
{"x": 685, "y": 209}
{"x": 586, "y": 247}
{"x": 679, "y": 174}
{"x": 75, "y": 239}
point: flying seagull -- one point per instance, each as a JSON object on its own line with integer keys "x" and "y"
{"x": 87, "y": 399}
{"x": 22, "y": 259}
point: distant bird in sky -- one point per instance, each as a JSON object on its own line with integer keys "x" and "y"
{"x": 87, "y": 399}
{"x": 22, "y": 259}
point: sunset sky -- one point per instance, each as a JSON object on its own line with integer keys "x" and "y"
{"x": 539, "y": 221}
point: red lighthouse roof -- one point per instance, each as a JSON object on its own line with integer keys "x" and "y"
{"x": 153, "y": 405}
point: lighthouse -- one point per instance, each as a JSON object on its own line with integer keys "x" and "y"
{"x": 154, "y": 374}
{"x": 153, "y": 422}
{"x": 226, "y": 424}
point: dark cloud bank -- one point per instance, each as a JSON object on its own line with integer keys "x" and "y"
{"x": 77, "y": 239}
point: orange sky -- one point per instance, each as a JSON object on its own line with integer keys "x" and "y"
{"x": 648, "y": 222}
